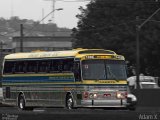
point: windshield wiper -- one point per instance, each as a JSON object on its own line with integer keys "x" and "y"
{"x": 111, "y": 73}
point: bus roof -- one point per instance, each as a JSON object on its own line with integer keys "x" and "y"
{"x": 50, "y": 54}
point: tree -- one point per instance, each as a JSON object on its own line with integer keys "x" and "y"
{"x": 111, "y": 24}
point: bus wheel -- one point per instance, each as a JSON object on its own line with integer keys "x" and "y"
{"x": 21, "y": 102}
{"x": 69, "y": 102}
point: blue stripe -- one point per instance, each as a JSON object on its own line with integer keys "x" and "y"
{"x": 77, "y": 85}
{"x": 33, "y": 81}
{"x": 37, "y": 79}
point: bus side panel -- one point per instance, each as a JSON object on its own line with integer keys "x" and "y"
{"x": 38, "y": 90}
{"x": 43, "y": 96}
{"x": 9, "y": 95}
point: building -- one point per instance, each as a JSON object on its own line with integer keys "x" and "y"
{"x": 47, "y": 43}
{"x": 5, "y": 46}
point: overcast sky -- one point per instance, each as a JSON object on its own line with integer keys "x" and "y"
{"x": 32, "y": 9}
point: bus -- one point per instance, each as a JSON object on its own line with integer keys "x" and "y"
{"x": 71, "y": 79}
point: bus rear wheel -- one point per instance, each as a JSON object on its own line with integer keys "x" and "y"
{"x": 69, "y": 102}
{"x": 21, "y": 102}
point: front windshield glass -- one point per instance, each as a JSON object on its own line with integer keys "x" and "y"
{"x": 103, "y": 70}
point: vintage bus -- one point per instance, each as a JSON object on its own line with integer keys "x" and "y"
{"x": 70, "y": 79}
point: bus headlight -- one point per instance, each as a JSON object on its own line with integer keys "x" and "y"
{"x": 93, "y": 95}
{"x": 121, "y": 95}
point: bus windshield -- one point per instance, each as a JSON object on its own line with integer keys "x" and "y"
{"x": 103, "y": 70}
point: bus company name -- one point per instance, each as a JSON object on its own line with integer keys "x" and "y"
{"x": 43, "y": 55}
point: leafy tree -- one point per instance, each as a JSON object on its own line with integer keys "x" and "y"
{"x": 111, "y": 24}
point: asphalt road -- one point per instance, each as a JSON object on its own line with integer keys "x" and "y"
{"x": 12, "y": 113}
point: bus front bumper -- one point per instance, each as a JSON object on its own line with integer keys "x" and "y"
{"x": 104, "y": 103}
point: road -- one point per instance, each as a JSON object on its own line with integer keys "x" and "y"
{"x": 12, "y": 113}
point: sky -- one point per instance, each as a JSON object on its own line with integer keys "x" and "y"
{"x": 38, "y": 9}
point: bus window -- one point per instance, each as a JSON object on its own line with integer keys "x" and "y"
{"x": 19, "y": 67}
{"x": 67, "y": 65}
{"x": 8, "y": 67}
{"x": 77, "y": 71}
{"x": 60, "y": 66}
{"x": 54, "y": 66}
{"x": 43, "y": 66}
{"x": 93, "y": 69}
{"x": 31, "y": 66}
{"x": 63, "y": 65}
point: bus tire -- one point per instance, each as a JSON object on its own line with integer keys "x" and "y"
{"x": 21, "y": 102}
{"x": 69, "y": 102}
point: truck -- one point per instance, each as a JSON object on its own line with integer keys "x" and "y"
{"x": 145, "y": 82}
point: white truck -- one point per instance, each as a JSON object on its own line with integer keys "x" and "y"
{"x": 145, "y": 82}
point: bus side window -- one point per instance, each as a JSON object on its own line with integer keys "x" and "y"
{"x": 54, "y": 66}
{"x": 19, "y": 67}
{"x": 60, "y": 66}
{"x": 67, "y": 65}
{"x": 8, "y": 67}
{"x": 43, "y": 66}
{"x": 77, "y": 71}
{"x": 31, "y": 66}
{"x": 49, "y": 62}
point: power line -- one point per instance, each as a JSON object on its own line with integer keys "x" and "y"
{"x": 44, "y": 18}
{"x": 152, "y": 20}
{"x": 111, "y": 26}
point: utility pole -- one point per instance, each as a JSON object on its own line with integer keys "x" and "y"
{"x": 53, "y": 7}
{"x": 42, "y": 20}
{"x": 21, "y": 38}
{"x": 137, "y": 52}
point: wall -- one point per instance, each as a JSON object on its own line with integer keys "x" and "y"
{"x": 47, "y": 43}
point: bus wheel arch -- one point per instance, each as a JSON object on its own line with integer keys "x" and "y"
{"x": 69, "y": 101}
{"x": 21, "y": 101}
